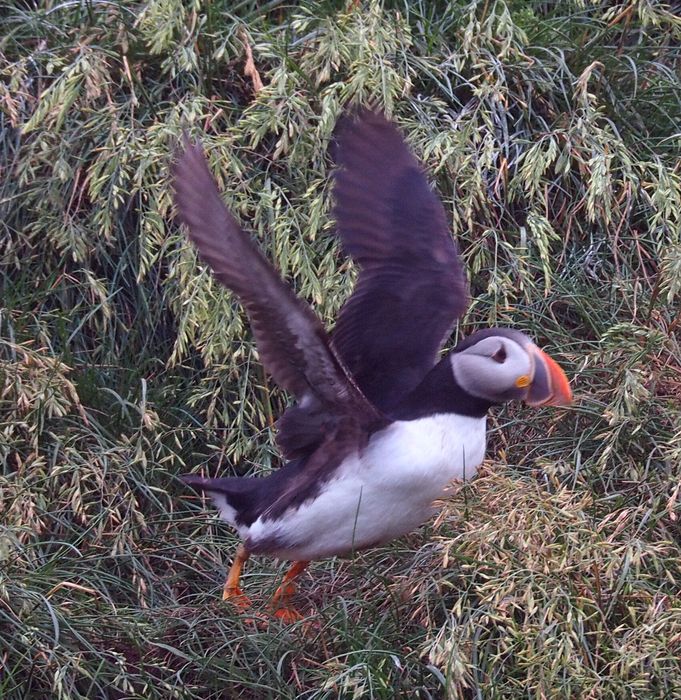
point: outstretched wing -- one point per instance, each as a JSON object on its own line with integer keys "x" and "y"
{"x": 411, "y": 286}
{"x": 293, "y": 345}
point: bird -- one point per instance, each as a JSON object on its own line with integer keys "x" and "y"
{"x": 382, "y": 422}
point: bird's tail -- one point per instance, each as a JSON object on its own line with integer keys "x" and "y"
{"x": 234, "y": 497}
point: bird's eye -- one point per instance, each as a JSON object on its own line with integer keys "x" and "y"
{"x": 500, "y": 355}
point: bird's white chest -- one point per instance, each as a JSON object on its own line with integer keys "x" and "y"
{"x": 427, "y": 454}
{"x": 387, "y": 490}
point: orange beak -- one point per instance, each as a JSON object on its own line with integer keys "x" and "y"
{"x": 550, "y": 386}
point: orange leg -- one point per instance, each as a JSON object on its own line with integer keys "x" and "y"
{"x": 285, "y": 591}
{"x": 232, "y": 591}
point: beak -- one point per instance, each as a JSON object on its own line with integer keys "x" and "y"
{"x": 550, "y": 386}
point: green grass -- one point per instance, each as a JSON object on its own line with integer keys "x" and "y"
{"x": 551, "y": 131}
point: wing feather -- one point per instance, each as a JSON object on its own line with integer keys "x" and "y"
{"x": 293, "y": 345}
{"x": 412, "y": 286}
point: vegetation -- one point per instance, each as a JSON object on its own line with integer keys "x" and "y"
{"x": 551, "y": 131}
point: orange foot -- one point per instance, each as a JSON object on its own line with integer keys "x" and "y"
{"x": 236, "y": 597}
{"x": 279, "y": 605}
{"x": 288, "y": 615}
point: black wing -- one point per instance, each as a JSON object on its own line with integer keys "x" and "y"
{"x": 412, "y": 286}
{"x": 293, "y": 345}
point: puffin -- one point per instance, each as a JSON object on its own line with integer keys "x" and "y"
{"x": 382, "y": 424}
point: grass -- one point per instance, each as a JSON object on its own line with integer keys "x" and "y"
{"x": 550, "y": 131}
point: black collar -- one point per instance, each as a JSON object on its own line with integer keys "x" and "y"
{"x": 440, "y": 393}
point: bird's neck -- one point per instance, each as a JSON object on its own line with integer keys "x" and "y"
{"x": 440, "y": 393}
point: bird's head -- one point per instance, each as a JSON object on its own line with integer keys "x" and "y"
{"x": 500, "y": 365}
